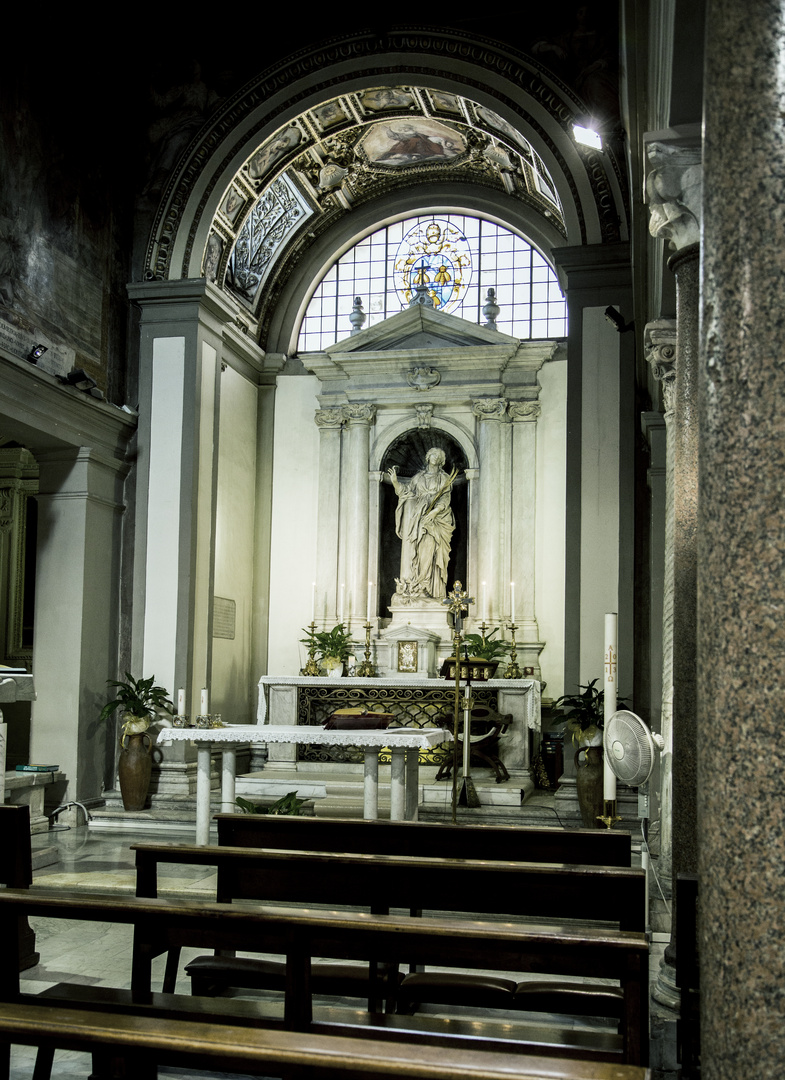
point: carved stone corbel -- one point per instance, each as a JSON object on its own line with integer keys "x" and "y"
{"x": 490, "y": 408}
{"x": 673, "y": 192}
{"x": 424, "y": 415}
{"x": 527, "y": 411}
{"x": 660, "y": 348}
{"x": 358, "y": 412}
{"x": 333, "y": 417}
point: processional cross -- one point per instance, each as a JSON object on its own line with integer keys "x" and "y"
{"x": 458, "y": 602}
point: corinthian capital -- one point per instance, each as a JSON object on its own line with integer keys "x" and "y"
{"x": 489, "y": 408}
{"x": 525, "y": 410}
{"x": 330, "y": 418}
{"x": 659, "y": 346}
{"x": 673, "y": 191}
{"x": 358, "y": 413}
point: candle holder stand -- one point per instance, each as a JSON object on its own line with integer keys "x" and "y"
{"x": 513, "y": 671}
{"x": 366, "y": 669}
{"x": 311, "y": 666}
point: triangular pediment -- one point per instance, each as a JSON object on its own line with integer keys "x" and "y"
{"x": 420, "y": 327}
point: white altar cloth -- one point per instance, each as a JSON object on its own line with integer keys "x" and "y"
{"x": 405, "y": 744}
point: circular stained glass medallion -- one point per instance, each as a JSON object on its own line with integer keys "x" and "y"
{"x": 437, "y": 254}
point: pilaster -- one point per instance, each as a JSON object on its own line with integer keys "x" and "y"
{"x": 494, "y": 439}
{"x": 330, "y": 423}
{"x": 660, "y": 345}
{"x": 355, "y": 504}
{"x": 673, "y": 190}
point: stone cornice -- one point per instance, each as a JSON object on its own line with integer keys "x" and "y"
{"x": 43, "y": 414}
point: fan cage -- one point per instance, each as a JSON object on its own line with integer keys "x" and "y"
{"x": 629, "y": 748}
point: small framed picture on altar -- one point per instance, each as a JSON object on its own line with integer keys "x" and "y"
{"x": 407, "y": 656}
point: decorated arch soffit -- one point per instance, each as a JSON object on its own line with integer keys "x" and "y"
{"x": 249, "y": 226}
{"x": 333, "y": 157}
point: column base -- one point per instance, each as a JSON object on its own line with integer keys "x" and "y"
{"x": 665, "y": 990}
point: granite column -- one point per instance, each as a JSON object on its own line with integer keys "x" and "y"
{"x": 741, "y": 582}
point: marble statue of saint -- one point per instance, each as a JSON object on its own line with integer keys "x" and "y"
{"x": 424, "y": 521}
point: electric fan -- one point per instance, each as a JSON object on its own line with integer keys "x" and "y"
{"x": 629, "y": 752}
{"x": 629, "y": 748}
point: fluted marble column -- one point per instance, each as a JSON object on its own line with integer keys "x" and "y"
{"x": 661, "y": 353}
{"x": 330, "y": 422}
{"x": 355, "y": 504}
{"x": 494, "y": 497}
{"x": 524, "y": 415}
{"x": 741, "y": 632}
{"x": 673, "y": 188}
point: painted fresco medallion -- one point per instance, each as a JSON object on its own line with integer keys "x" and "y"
{"x": 398, "y": 143}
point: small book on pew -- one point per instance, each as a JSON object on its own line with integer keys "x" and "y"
{"x": 357, "y": 720}
{"x": 37, "y": 768}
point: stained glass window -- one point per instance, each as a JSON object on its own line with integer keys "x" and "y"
{"x": 458, "y": 258}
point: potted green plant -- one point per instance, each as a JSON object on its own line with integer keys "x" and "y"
{"x": 331, "y": 647}
{"x": 140, "y": 700}
{"x": 484, "y": 655}
{"x": 585, "y": 716}
{"x": 585, "y": 713}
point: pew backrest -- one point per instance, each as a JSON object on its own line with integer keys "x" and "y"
{"x": 515, "y": 843}
{"x": 610, "y": 895}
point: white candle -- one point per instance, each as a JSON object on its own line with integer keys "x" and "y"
{"x": 181, "y": 702}
{"x": 205, "y": 707}
{"x": 313, "y": 603}
{"x": 370, "y": 586}
{"x": 340, "y": 609}
{"x": 512, "y": 602}
{"x": 484, "y": 603}
{"x": 611, "y": 690}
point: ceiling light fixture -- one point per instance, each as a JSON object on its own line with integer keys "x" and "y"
{"x": 587, "y": 136}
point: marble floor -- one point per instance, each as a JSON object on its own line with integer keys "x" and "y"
{"x": 98, "y": 860}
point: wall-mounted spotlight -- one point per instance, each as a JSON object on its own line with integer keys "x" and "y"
{"x": 616, "y": 319}
{"x": 587, "y": 136}
{"x": 36, "y": 353}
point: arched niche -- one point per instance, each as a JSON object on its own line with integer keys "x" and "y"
{"x": 407, "y": 452}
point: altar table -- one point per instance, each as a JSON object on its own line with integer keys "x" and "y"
{"x": 405, "y": 744}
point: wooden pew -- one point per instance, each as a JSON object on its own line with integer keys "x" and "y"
{"x": 16, "y": 867}
{"x": 516, "y": 843}
{"x": 152, "y": 1041}
{"x": 380, "y": 883}
{"x": 159, "y": 924}
{"x": 488, "y": 842}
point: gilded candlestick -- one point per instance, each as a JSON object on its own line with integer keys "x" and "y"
{"x": 366, "y": 669}
{"x": 513, "y": 671}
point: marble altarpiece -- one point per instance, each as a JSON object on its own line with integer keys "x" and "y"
{"x": 426, "y": 386}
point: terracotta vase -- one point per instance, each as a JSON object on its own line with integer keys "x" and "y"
{"x": 134, "y": 769}
{"x": 589, "y": 783}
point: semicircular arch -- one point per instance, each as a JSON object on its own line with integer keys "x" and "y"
{"x": 517, "y": 90}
